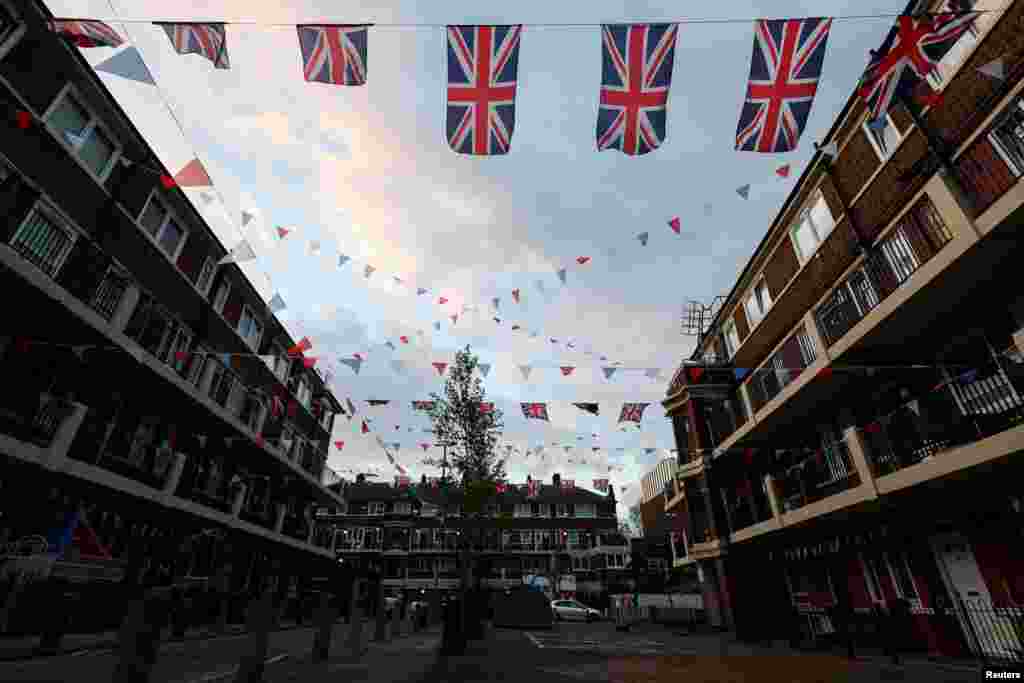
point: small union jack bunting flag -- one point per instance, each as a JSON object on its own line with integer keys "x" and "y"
{"x": 636, "y": 72}
{"x": 207, "y": 40}
{"x": 913, "y": 48}
{"x": 632, "y": 412}
{"x": 333, "y": 54}
{"x": 601, "y": 484}
{"x": 483, "y": 62}
{"x": 86, "y": 32}
{"x": 535, "y": 411}
{"x": 784, "y": 71}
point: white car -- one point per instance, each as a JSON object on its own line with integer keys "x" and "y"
{"x": 570, "y": 610}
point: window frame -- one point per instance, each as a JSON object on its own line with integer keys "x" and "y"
{"x": 205, "y": 290}
{"x": 375, "y": 507}
{"x": 18, "y": 28}
{"x": 154, "y": 195}
{"x": 914, "y": 600}
{"x": 224, "y": 286}
{"x": 54, "y": 216}
{"x": 805, "y": 216}
{"x": 730, "y": 328}
{"x": 936, "y": 78}
{"x": 253, "y": 344}
{"x": 870, "y": 134}
{"x": 95, "y": 122}
{"x": 754, "y": 295}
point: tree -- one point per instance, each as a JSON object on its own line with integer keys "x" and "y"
{"x": 471, "y": 431}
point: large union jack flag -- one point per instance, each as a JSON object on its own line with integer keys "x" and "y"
{"x": 483, "y": 62}
{"x": 784, "y": 72}
{"x": 914, "y": 47}
{"x": 636, "y": 72}
{"x": 86, "y": 33}
{"x": 208, "y": 40}
{"x": 333, "y": 54}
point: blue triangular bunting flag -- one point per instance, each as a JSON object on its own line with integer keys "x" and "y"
{"x": 485, "y": 368}
{"x": 127, "y": 64}
{"x": 342, "y": 260}
{"x": 353, "y": 363}
{"x": 743, "y": 191}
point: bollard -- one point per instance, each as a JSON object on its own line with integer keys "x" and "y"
{"x": 396, "y": 621}
{"x": 323, "y": 617}
{"x": 258, "y": 622}
{"x": 380, "y": 634}
{"x": 354, "y": 644}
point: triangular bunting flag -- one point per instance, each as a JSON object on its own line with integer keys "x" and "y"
{"x": 193, "y": 175}
{"x": 246, "y": 217}
{"x": 561, "y": 275}
{"x": 389, "y": 345}
{"x": 515, "y": 295}
{"x": 339, "y": 444}
{"x": 442, "y": 300}
{"x": 420, "y": 291}
{"x": 782, "y": 171}
{"x": 167, "y": 181}
{"x": 676, "y": 225}
{"x": 206, "y": 40}
{"x": 354, "y": 363}
{"x": 592, "y": 408}
{"x": 342, "y": 260}
{"x": 403, "y": 339}
{"x": 743, "y": 191}
{"x": 643, "y": 238}
{"x": 608, "y": 372}
{"x": 282, "y": 232}
{"x": 127, "y": 64}
{"x": 366, "y": 429}
{"x": 995, "y": 69}
{"x": 740, "y": 373}
{"x": 424, "y": 446}
{"x": 368, "y": 271}
{"x": 276, "y": 304}
{"x": 239, "y": 253}
{"x": 582, "y": 260}
{"x": 440, "y": 367}
{"x": 485, "y": 368}
{"x": 525, "y": 369}
{"x": 567, "y": 370}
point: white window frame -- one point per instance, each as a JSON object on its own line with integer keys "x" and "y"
{"x": 758, "y": 297}
{"x": 819, "y": 234}
{"x": 375, "y": 508}
{"x": 54, "y": 216}
{"x": 155, "y": 239}
{"x": 252, "y": 342}
{"x": 730, "y": 338}
{"x": 870, "y": 574}
{"x": 95, "y": 122}
{"x": 915, "y": 600}
{"x": 217, "y": 303}
{"x": 209, "y": 266}
{"x": 961, "y": 51}
{"x": 882, "y": 156}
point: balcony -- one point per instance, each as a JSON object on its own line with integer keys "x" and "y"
{"x": 806, "y": 478}
{"x": 919, "y": 236}
{"x": 746, "y": 505}
{"x": 785, "y": 365}
{"x": 993, "y": 165}
{"x": 34, "y": 417}
{"x": 982, "y": 402}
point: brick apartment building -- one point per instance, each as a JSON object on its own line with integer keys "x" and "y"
{"x": 851, "y": 426}
{"x": 130, "y": 442}
{"x": 411, "y": 535}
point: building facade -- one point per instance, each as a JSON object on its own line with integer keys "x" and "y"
{"x": 153, "y": 422}
{"x": 567, "y": 536}
{"x": 851, "y": 426}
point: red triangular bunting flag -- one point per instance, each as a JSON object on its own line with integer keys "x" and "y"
{"x": 567, "y": 370}
{"x": 515, "y": 295}
{"x": 424, "y": 446}
{"x": 24, "y": 119}
{"x": 440, "y": 367}
{"x": 695, "y": 374}
{"x": 442, "y": 301}
{"x": 582, "y": 259}
{"x": 366, "y": 430}
{"x": 676, "y": 225}
{"x": 303, "y": 346}
{"x": 339, "y": 444}
{"x": 259, "y": 440}
{"x": 181, "y": 355}
{"x": 782, "y": 171}
{"x": 873, "y": 428}
{"x": 167, "y": 181}
{"x": 404, "y": 340}
{"x": 282, "y": 232}
{"x": 309, "y": 362}
{"x": 193, "y": 175}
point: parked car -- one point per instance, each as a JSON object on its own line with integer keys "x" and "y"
{"x": 571, "y": 610}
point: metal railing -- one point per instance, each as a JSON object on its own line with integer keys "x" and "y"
{"x": 995, "y": 163}
{"x": 109, "y": 294}
{"x": 782, "y": 368}
{"x": 811, "y": 477}
{"x": 919, "y": 236}
{"x": 42, "y": 242}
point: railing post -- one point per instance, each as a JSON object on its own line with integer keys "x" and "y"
{"x": 125, "y": 308}
{"x": 239, "y": 500}
{"x": 820, "y": 348}
{"x": 279, "y": 521}
{"x": 773, "y": 496}
{"x": 206, "y": 380}
{"x": 57, "y": 453}
{"x": 174, "y": 474}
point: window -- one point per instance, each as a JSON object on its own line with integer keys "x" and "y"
{"x": 205, "y": 278}
{"x": 221, "y": 298}
{"x": 302, "y": 392}
{"x": 958, "y": 52}
{"x": 376, "y": 508}
{"x": 83, "y": 134}
{"x": 43, "y": 241}
{"x": 403, "y": 508}
{"x": 902, "y": 578}
{"x": 814, "y": 225}
{"x": 731, "y": 339}
{"x": 870, "y": 565}
{"x": 758, "y": 302}
{"x": 165, "y": 230}
{"x": 884, "y": 138}
{"x": 250, "y": 328}
{"x": 1007, "y": 136}
{"x": 522, "y": 510}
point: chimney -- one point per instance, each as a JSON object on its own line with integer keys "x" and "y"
{"x": 556, "y": 480}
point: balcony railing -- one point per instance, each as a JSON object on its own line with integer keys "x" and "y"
{"x": 34, "y": 418}
{"x": 920, "y": 235}
{"x": 809, "y": 477}
{"x": 747, "y": 506}
{"x": 987, "y": 400}
{"x": 42, "y": 242}
{"x": 796, "y": 354}
{"x": 993, "y": 165}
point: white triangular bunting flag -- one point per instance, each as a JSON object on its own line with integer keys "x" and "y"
{"x": 246, "y": 217}
{"x": 314, "y": 247}
{"x": 240, "y": 253}
{"x": 525, "y": 369}
{"x": 276, "y": 304}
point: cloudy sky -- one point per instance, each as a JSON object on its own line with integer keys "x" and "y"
{"x": 366, "y": 172}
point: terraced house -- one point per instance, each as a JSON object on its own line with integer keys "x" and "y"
{"x": 850, "y": 428}
{"x": 139, "y": 430}
{"x": 412, "y": 535}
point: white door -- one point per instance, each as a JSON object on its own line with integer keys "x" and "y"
{"x": 987, "y": 631}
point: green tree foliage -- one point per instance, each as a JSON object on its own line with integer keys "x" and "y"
{"x": 471, "y": 432}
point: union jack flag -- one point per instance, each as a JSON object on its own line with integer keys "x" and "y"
{"x": 914, "y": 47}
{"x": 86, "y": 33}
{"x": 333, "y": 54}
{"x": 483, "y": 62}
{"x": 636, "y": 72}
{"x": 784, "y": 72}
{"x": 208, "y": 40}
{"x": 536, "y": 411}
{"x": 632, "y": 412}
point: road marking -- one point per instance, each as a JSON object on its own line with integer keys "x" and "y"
{"x": 534, "y": 639}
